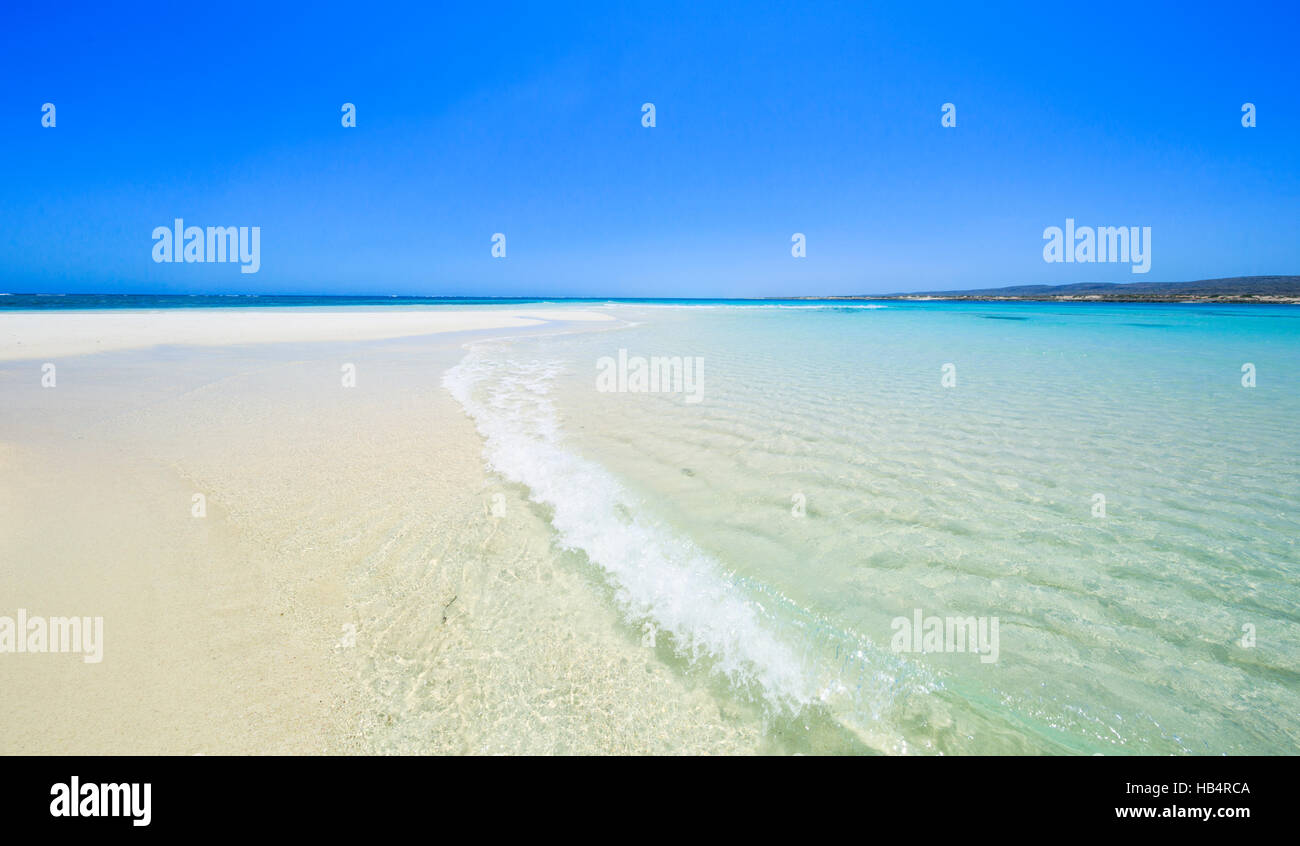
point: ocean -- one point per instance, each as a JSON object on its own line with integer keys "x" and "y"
{"x": 1105, "y": 498}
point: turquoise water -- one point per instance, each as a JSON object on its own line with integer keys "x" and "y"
{"x": 81, "y": 302}
{"x": 828, "y": 482}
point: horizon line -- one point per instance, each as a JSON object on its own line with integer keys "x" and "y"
{"x": 890, "y": 295}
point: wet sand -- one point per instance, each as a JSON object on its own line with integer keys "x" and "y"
{"x": 358, "y": 582}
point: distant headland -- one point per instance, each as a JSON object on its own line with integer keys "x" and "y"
{"x": 1236, "y": 289}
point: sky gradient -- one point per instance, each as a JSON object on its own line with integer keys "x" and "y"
{"x": 526, "y": 120}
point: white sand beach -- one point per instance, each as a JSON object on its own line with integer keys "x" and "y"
{"x": 358, "y": 582}
{"x": 46, "y": 334}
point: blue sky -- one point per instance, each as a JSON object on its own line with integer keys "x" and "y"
{"x": 526, "y": 120}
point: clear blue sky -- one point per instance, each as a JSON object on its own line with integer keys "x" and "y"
{"x": 526, "y": 120}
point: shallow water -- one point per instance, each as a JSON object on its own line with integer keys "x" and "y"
{"x": 765, "y": 539}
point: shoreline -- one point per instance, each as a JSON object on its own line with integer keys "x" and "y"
{"x": 350, "y": 587}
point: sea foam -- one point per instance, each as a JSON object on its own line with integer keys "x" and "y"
{"x": 657, "y": 575}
